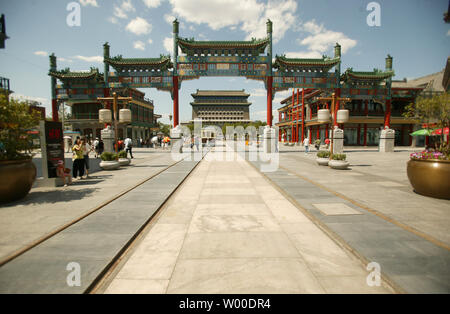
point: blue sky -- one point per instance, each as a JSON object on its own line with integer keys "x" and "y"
{"x": 412, "y": 31}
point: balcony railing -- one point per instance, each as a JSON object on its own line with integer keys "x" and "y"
{"x": 84, "y": 116}
{"x": 4, "y": 83}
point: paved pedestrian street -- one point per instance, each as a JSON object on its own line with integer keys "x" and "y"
{"x": 227, "y": 229}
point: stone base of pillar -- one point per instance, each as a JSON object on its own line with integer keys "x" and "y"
{"x": 107, "y": 136}
{"x": 338, "y": 144}
{"x": 175, "y": 136}
{"x": 387, "y": 141}
{"x": 270, "y": 141}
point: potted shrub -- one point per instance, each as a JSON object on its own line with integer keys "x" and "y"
{"x": 429, "y": 171}
{"x": 17, "y": 171}
{"x": 323, "y": 157}
{"x": 109, "y": 161}
{"x": 338, "y": 161}
{"x": 123, "y": 160}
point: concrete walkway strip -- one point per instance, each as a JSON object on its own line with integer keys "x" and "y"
{"x": 409, "y": 262}
{"x": 92, "y": 243}
{"x": 227, "y": 230}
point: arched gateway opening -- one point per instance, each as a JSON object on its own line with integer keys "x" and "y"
{"x": 250, "y": 59}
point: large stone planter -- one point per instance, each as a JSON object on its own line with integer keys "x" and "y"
{"x": 124, "y": 161}
{"x": 339, "y": 164}
{"x": 430, "y": 177}
{"x": 322, "y": 161}
{"x": 16, "y": 179}
{"x": 110, "y": 165}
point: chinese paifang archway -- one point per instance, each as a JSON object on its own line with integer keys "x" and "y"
{"x": 251, "y": 59}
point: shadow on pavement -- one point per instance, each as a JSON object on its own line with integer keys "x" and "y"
{"x": 51, "y": 197}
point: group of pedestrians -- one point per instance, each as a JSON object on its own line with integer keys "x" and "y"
{"x": 80, "y": 158}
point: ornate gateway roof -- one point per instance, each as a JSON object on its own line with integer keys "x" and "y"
{"x": 286, "y": 64}
{"x": 66, "y": 75}
{"x": 162, "y": 63}
{"x": 191, "y": 46}
{"x": 374, "y": 76}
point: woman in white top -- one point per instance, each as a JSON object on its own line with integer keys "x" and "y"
{"x": 86, "y": 150}
{"x": 306, "y": 144}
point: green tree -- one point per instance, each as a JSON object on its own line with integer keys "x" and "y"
{"x": 164, "y": 128}
{"x": 434, "y": 110}
{"x": 15, "y": 119}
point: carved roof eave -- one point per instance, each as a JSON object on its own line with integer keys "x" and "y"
{"x": 67, "y": 76}
{"x": 187, "y": 45}
{"x": 366, "y": 76}
{"x": 282, "y": 63}
{"x": 163, "y": 63}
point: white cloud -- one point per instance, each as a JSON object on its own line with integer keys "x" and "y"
{"x": 122, "y": 10}
{"x": 113, "y": 20}
{"x": 249, "y": 15}
{"x": 258, "y": 92}
{"x": 322, "y": 40}
{"x": 169, "y": 18}
{"x": 140, "y": 45}
{"x": 152, "y": 3}
{"x": 139, "y": 26}
{"x": 279, "y": 96}
{"x": 304, "y": 54}
{"x": 89, "y": 2}
{"x": 65, "y": 60}
{"x": 97, "y": 59}
{"x": 168, "y": 44}
{"x": 262, "y": 115}
{"x": 41, "y": 100}
{"x": 41, "y": 53}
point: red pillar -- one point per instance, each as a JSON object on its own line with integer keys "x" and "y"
{"x": 365, "y": 134}
{"x": 387, "y": 114}
{"x": 358, "y": 136}
{"x": 303, "y": 114}
{"x": 175, "y": 101}
{"x": 318, "y": 132}
{"x": 337, "y": 105}
{"x": 269, "y": 100}
{"x": 326, "y": 131}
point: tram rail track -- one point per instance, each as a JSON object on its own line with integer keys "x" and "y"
{"x": 48, "y": 236}
{"x": 95, "y": 282}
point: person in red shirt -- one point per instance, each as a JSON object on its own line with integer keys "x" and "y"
{"x": 327, "y": 142}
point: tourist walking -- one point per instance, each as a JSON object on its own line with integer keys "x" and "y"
{"x": 101, "y": 147}
{"x": 306, "y": 144}
{"x": 197, "y": 142}
{"x": 86, "y": 147}
{"x": 78, "y": 160}
{"x": 129, "y": 146}
{"x": 96, "y": 142}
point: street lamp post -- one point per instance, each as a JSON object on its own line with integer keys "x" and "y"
{"x": 341, "y": 116}
{"x": 124, "y": 116}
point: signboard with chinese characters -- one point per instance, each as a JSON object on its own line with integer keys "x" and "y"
{"x": 52, "y": 147}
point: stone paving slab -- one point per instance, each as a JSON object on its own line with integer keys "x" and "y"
{"x": 45, "y": 210}
{"x": 411, "y": 262}
{"x": 242, "y": 237}
{"x": 92, "y": 242}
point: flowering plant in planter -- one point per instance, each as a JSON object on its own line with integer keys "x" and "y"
{"x": 429, "y": 155}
